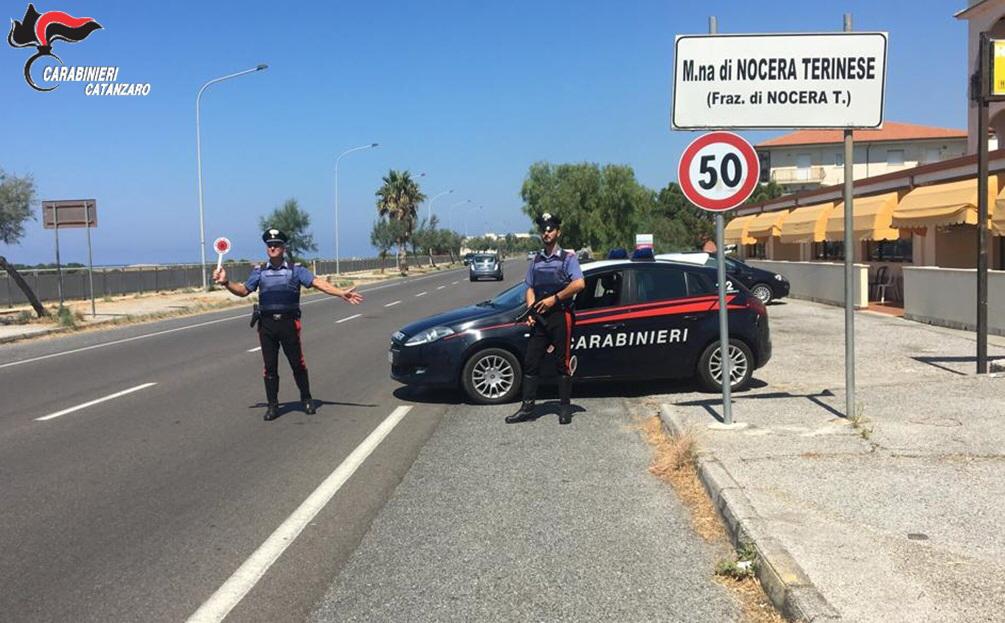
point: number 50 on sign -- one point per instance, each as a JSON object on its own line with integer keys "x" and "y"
{"x": 718, "y": 171}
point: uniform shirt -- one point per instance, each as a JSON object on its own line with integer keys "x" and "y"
{"x": 280, "y": 286}
{"x": 550, "y": 274}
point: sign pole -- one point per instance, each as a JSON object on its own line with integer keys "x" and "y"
{"x": 982, "y": 203}
{"x": 720, "y": 260}
{"x": 59, "y": 270}
{"x": 849, "y": 264}
{"x": 90, "y": 260}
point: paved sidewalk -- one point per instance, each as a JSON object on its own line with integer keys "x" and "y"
{"x": 897, "y": 518}
{"x": 532, "y": 522}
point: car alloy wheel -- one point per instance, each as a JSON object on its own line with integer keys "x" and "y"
{"x": 741, "y": 366}
{"x": 491, "y": 376}
{"x": 762, "y": 292}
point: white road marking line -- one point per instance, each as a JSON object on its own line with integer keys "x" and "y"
{"x": 421, "y": 294}
{"x": 251, "y": 350}
{"x": 392, "y": 304}
{"x": 94, "y": 402}
{"x": 251, "y": 571}
{"x": 196, "y": 325}
{"x": 440, "y": 287}
{"x": 348, "y": 318}
{"x": 454, "y": 283}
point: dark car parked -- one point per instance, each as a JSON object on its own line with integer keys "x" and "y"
{"x": 763, "y": 284}
{"x": 635, "y": 320}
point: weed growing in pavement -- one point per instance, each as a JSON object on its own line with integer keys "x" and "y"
{"x": 861, "y": 423}
{"x": 107, "y": 298}
{"x": 743, "y": 567}
{"x": 23, "y": 317}
{"x": 66, "y": 317}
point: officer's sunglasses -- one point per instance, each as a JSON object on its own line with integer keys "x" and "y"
{"x": 273, "y": 245}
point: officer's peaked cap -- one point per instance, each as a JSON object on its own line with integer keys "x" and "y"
{"x": 274, "y": 235}
{"x": 547, "y": 220}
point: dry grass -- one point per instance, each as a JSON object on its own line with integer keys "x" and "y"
{"x": 674, "y": 463}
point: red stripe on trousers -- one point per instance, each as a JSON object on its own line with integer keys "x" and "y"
{"x": 297, "y": 324}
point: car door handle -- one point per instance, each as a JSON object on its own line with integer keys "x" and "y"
{"x": 614, "y": 325}
{"x": 692, "y": 316}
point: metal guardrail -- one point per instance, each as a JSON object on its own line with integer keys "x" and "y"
{"x": 120, "y": 280}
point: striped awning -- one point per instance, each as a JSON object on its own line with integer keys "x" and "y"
{"x": 735, "y": 231}
{"x": 807, "y": 224}
{"x": 767, "y": 224}
{"x": 952, "y": 203}
{"x": 871, "y": 218}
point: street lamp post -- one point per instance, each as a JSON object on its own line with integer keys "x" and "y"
{"x": 429, "y": 216}
{"x": 450, "y": 214}
{"x": 198, "y": 160}
{"x": 338, "y": 255}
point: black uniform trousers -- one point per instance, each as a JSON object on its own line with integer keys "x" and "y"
{"x": 555, "y": 331}
{"x": 285, "y": 332}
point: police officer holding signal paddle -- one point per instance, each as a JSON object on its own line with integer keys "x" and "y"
{"x": 279, "y": 281}
{"x": 553, "y": 279}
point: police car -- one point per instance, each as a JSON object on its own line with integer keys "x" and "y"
{"x": 635, "y": 320}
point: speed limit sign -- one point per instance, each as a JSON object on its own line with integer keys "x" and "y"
{"x": 718, "y": 171}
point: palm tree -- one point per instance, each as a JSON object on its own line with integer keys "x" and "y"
{"x": 398, "y": 199}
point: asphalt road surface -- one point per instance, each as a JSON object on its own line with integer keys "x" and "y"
{"x": 140, "y": 483}
{"x": 142, "y": 506}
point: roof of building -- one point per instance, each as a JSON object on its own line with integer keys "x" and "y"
{"x": 891, "y": 131}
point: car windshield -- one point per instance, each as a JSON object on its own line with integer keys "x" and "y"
{"x": 514, "y": 297}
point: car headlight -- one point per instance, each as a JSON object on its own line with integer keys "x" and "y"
{"x": 779, "y": 277}
{"x": 429, "y": 335}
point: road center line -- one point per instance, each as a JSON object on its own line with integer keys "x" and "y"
{"x": 392, "y": 304}
{"x": 348, "y": 318}
{"x": 421, "y": 294}
{"x": 440, "y": 287}
{"x": 94, "y": 402}
{"x": 251, "y": 350}
{"x": 454, "y": 283}
{"x": 251, "y": 571}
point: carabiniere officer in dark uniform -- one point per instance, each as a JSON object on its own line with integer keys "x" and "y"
{"x": 553, "y": 279}
{"x": 278, "y": 282}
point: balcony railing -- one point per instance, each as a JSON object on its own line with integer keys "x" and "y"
{"x": 798, "y": 175}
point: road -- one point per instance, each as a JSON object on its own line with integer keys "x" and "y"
{"x": 138, "y": 474}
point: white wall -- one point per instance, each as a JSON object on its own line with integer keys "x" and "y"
{"x": 822, "y": 282}
{"x": 948, "y": 297}
{"x": 916, "y": 152}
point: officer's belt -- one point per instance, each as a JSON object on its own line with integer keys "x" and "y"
{"x": 287, "y": 315}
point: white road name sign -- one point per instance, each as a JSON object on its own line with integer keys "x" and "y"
{"x": 821, "y": 80}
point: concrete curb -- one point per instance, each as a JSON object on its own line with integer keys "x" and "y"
{"x": 786, "y": 584}
{"x": 27, "y": 336}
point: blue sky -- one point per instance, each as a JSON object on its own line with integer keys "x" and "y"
{"x": 471, "y": 93}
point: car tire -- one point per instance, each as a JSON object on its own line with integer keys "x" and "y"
{"x": 762, "y": 291}
{"x": 492, "y": 376}
{"x": 741, "y": 357}
{"x": 472, "y": 279}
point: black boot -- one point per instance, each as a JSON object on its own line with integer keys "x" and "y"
{"x": 565, "y": 399}
{"x": 526, "y": 411}
{"x": 272, "y": 397}
{"x": 309, "y": 407}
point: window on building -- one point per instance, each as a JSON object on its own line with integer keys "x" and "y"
{"x": 839, "y": 159}
{"x": 757, "y": 251}
{"x": 932, "y": 154}
{"x": 895, "y": 157}
{"x": 890, "y": 250}
{"x": 828, "y": 250}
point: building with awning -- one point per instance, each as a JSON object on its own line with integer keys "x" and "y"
{"x": 735, "y": 231}
{"x": 949, "y": 203}
{"x": 871, "y": 218}
{"x": 767, "y": 224}
{"x": 807, "y": 224}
